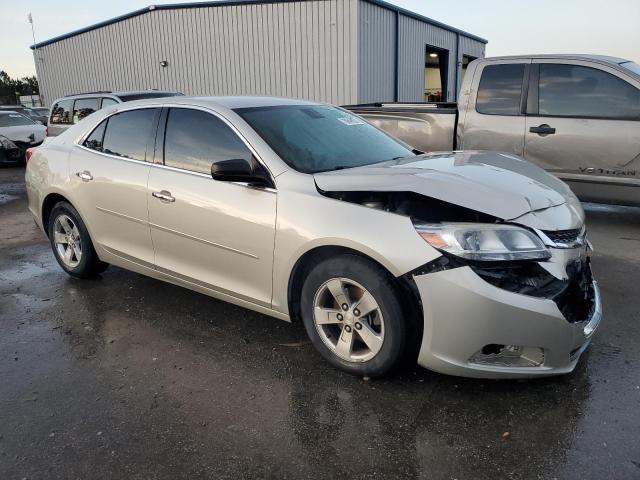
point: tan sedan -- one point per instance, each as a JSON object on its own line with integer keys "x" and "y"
{"x": 472, "y": 263}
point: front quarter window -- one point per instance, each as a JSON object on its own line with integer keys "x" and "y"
{"x": 316, "y": 138}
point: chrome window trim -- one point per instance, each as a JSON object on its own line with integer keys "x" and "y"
{"x": 178, "y": 170}
{"x": 80, "y": 140}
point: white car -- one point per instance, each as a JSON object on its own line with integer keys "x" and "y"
{"x": 17, "y": 133}
{"x": 473, "y": 263}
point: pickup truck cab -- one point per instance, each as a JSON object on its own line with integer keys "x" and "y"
{"x": 577, "y": 116}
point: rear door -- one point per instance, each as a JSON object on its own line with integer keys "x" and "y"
{"x": 215, "y": 234}
{"x": 583, "y": 123}
{"x": 109, "y": 174}
{"x": 494, "y": 118}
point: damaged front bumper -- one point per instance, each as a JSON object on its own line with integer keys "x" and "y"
{"x": 477, "y": 327}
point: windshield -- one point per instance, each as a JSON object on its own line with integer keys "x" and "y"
{"x": 14, "y": 120}
{"x": 632, "y": 66}
{"x": 317, "y": 138}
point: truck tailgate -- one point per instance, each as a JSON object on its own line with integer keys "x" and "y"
{"x": 427, "y": 127}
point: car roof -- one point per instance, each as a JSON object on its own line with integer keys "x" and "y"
{"x": 230, "y": 102}
{"x": 123, "y": 93}
{"x": 7, "y": 112}
{"x": 565, "y": 56}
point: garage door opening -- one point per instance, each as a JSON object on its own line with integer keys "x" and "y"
{"x": 435, "y": 74}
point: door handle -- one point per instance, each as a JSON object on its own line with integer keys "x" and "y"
{"x": 85, "y": 176}
{"x": 164, "y": 196}
{"x": 543, "y": 129}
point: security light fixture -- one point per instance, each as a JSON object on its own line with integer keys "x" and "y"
{"x": 164, "y": 63}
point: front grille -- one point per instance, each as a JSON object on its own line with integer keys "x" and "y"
{"x": 563, "y": 236}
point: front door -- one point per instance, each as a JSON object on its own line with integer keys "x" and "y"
{"x": 215, "y": 234}
{"x": 583, "y": 123}
{"x": 109, "y": 173}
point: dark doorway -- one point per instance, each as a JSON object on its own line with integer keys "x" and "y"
{"x": 436, "y": 74}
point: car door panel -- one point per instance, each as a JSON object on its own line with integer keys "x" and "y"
{"x": 110, "y": 190}
{"x": 588, "y": 145}
{"x": 113, "y": 203}
{"x": 217, "y": 234}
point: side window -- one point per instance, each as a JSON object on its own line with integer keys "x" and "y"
{"x": 106, "y": 102}
{"x": 195, "y": 139}
{"x": 94, "y": 141}
{"x": 576, "y": 91}
{"x": 61, "y": 112}
{"x": 84, "y": 107}
{"x": 500, "y": 89}
{"x": 127, "y": 133}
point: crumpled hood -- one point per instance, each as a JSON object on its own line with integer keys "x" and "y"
{"x": 501, "y": 185}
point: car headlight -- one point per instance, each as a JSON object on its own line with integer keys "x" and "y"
{"x": 6, "y": 143}
{"x": 484, "y": 242}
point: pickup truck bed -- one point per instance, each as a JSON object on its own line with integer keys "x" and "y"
{"x": 430, "y": 127}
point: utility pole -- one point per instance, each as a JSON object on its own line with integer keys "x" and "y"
{"x": 35, "y": 56}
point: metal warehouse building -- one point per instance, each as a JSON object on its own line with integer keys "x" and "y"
{"x": 337, "y": 51}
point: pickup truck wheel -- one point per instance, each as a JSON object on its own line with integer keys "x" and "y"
{"x": 72, "y": 244}
{"x": 353, "y": 316}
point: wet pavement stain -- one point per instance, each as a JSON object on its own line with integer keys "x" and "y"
{"x": 128, "y": 377}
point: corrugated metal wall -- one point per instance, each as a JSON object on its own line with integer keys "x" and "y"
{"x": 376, "y": 53}
{"x": 293, "y": 49}
{"x": 377, "y": 50}
{"x": 471, "y": 47}
{"x": 414, "y": 36}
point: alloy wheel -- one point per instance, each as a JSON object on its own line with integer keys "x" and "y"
{"x": 66, "y": 239}
{"x": 348, "y": 320}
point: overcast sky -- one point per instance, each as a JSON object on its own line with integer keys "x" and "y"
{"x": 511, "y": 26}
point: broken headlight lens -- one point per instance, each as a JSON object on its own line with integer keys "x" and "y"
{"x": 484, "y": 242}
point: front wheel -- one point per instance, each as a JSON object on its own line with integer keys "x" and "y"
{"x": 353, "y": 315}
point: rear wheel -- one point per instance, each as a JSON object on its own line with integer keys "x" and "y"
{"x": 72, "y": 244}
{"x": 352, "y": 313}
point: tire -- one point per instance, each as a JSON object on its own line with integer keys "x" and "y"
{"x": 388, "y": 323}
{"x": 83, "y": 261}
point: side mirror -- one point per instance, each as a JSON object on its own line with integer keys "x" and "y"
{"x": 240, "y": 170}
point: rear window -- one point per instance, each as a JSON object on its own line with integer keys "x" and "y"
{"x": 106, "y": 101}
{"x": 631, "y": 66}
{"x": 62, "y": 112}
{"x": 585, "y": 92}
{"x": 84, "y": 107}
{"x": 127, "y": 133}
{"x": 151, "y": 94}
{"x": 14, "y": 120}
{"x": 500, "y": 89}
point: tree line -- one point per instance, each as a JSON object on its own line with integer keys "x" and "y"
{"x": 12, "y": 88}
